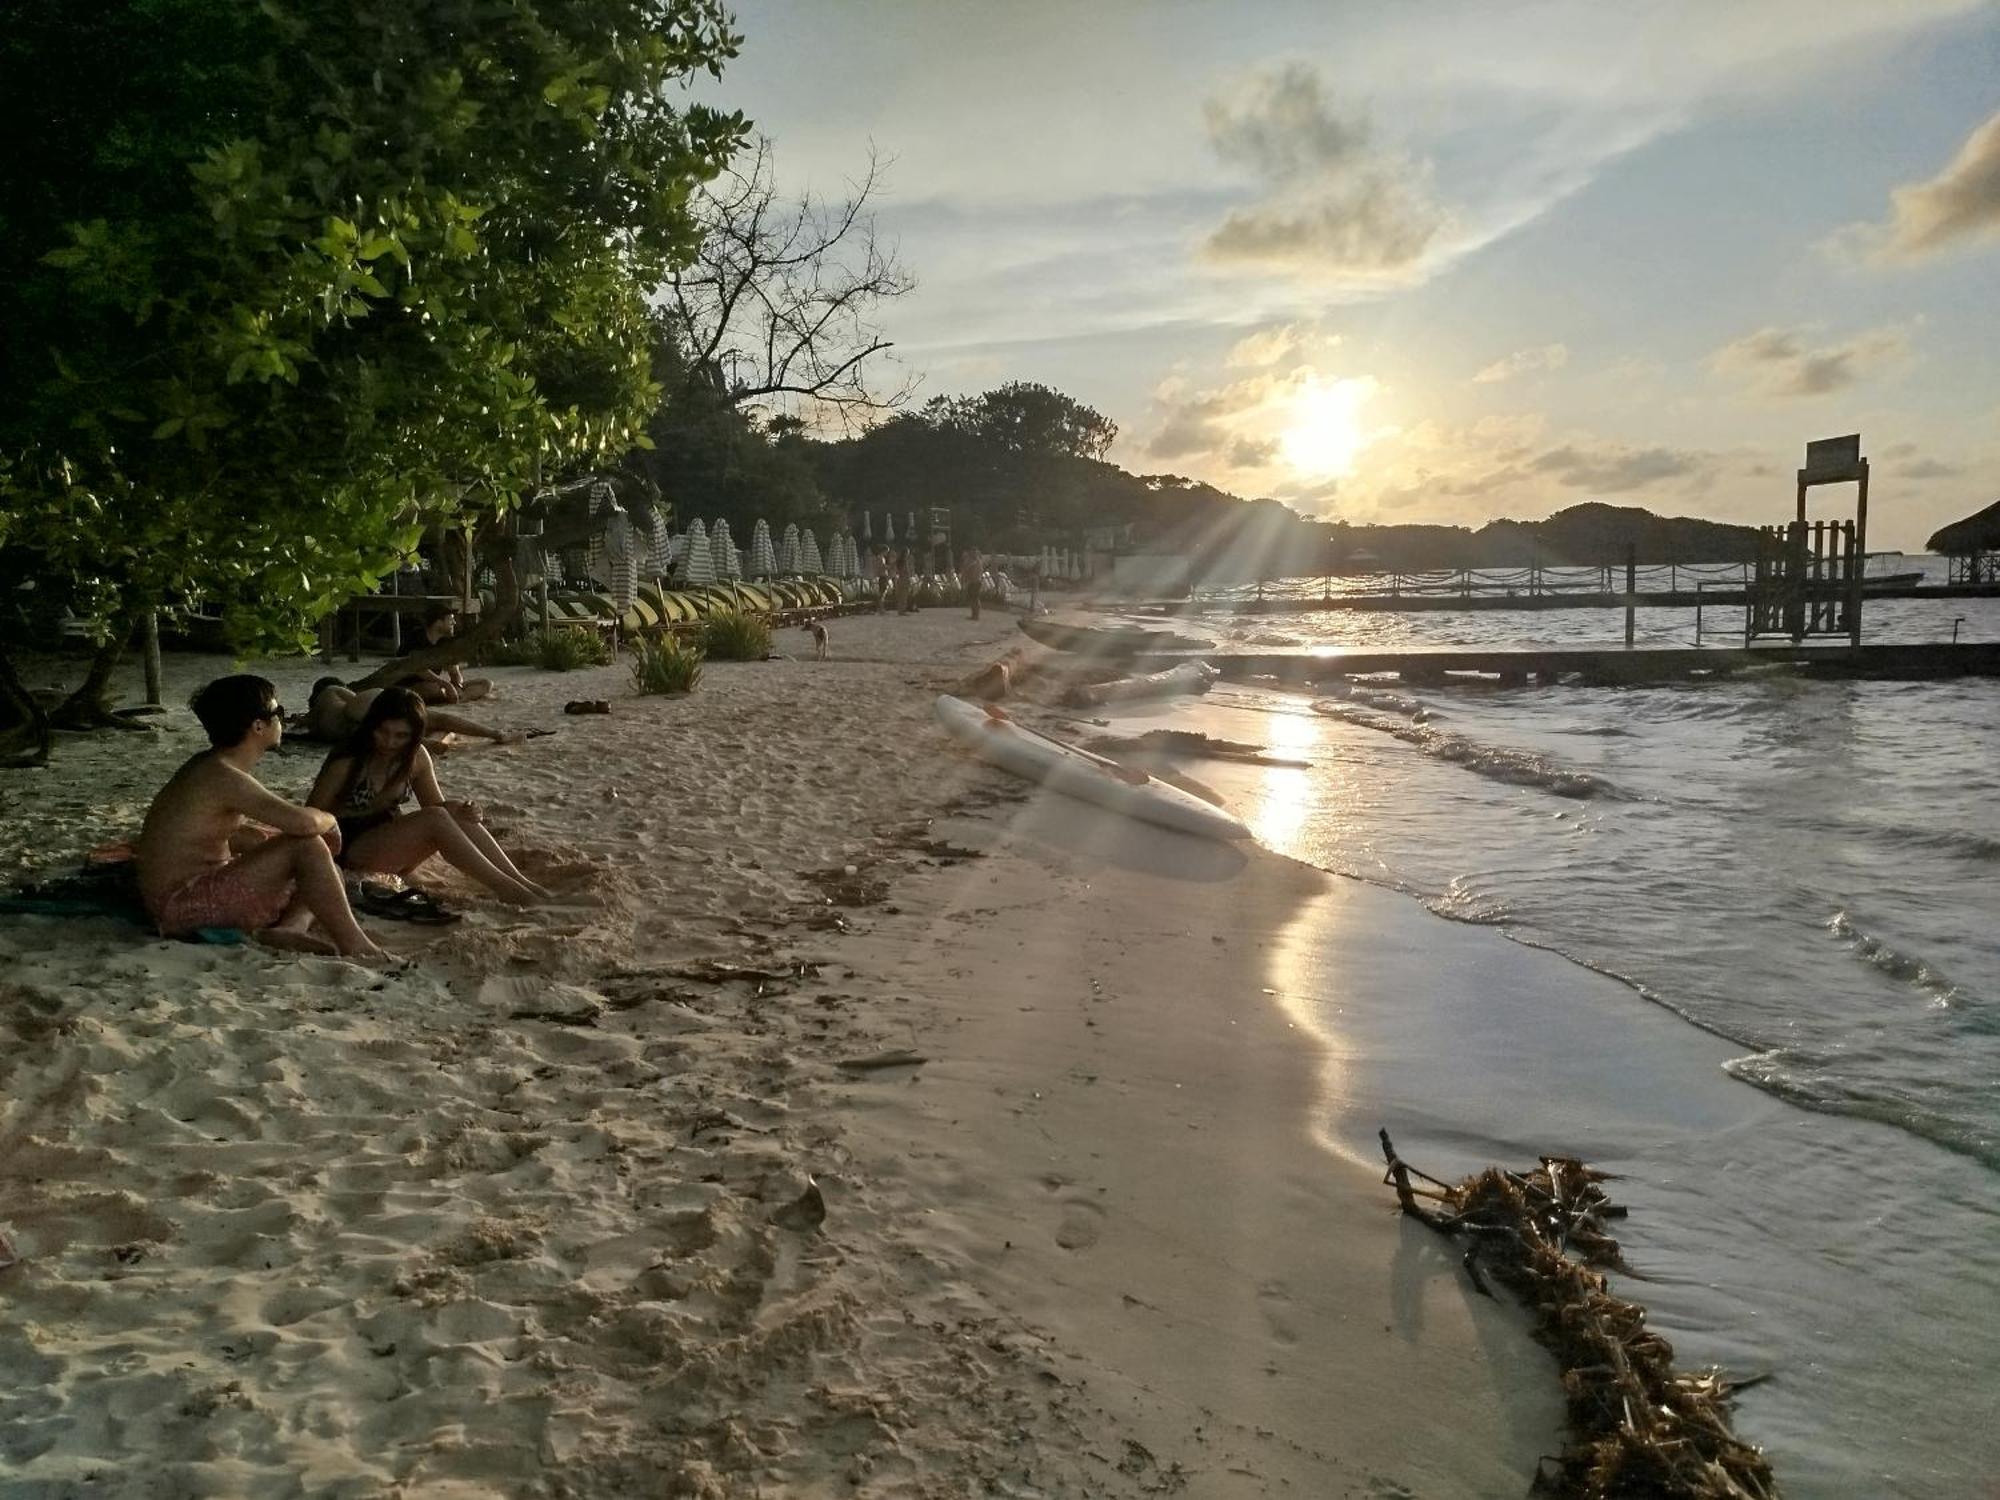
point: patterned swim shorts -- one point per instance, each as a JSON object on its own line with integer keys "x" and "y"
{"x": 224, "y": 897}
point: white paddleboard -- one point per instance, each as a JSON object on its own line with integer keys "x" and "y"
{"x": 995, "y": 738}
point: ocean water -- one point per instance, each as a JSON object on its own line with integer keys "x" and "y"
{"x": 1807, "y": 876}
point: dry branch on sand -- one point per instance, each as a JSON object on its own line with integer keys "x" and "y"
{"x": 1637, "y": 1427}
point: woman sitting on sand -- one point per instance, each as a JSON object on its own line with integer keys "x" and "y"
{"x": 367, "y": 780}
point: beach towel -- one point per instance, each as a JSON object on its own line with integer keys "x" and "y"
{"x": 107, "y": 886}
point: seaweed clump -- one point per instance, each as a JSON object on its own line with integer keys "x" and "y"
{"x": 1637, "y": 1427}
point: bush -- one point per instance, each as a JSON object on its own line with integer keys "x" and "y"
{"x": 566, "y": 650}
{"x": 731, "y": 635}
{"x": 517, "y": 653}
{"x": 666, "y": 664}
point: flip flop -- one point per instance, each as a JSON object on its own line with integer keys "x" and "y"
{"x": 407, "y": 905}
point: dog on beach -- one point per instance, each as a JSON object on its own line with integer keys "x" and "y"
{"x": 819, "y": 638}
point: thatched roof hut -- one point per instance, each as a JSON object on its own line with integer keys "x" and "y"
{"x": 1978, "y": 532}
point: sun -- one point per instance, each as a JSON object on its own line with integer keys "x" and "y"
{"x": 1323, "y": 434}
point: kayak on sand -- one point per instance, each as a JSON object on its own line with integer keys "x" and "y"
{"x": 997, "y": 739}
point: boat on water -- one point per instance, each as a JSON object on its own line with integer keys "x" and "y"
{"x": 1889, "y": 570}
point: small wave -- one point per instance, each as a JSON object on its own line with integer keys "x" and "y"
{"x": 1799, "y": 1079}
{"x": 1881, "y": 954}
{"x": 1462, "y": 901}
{"x": 1516, "y": 767}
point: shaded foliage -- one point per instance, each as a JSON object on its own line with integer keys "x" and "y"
{"x": 289, "y": 281}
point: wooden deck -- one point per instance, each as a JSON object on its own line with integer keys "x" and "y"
{"x": 1606, "y": 664}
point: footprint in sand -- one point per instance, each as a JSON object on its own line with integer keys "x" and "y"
{"x": 1080, "y": 1226}
{"x": 1275, "y": 1303}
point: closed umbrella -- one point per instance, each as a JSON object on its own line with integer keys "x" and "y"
{"x": 788, "y": 550}
{"x": 866, "y": 534}
{"x": 659, "y": 544}
{"x": 763, "y": 556}
{"x": 621, "y": 559}
{"x": 809, "y": 558}
{"x": 889, "y": 527}
{"x": 601, "y": 499}
{"x": 727, "y": 564}
{"x": 697, "y": 561}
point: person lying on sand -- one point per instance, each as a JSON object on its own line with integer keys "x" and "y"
{"x": 336, "y": 710}
{"x": 446, "y": 684}
{"x": 367, "y": 780}
{"x": 190, "y": 875}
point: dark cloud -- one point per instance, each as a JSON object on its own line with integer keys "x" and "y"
{"x": 1334, "y": 202}
{"x": 1610, "y": 469}
{"x": 1779, "y": 362}
{"x": 1927, "y": 468}
{"x": 1191, "y": 427}
{"x": 1250, "y": 453}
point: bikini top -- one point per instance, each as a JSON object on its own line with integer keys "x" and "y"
{"x": 362, "y": 794}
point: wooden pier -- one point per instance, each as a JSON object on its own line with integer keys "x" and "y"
{"x": 1602, "y": 664}
{"x": 1447, "y": 599}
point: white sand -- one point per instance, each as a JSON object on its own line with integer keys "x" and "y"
{"x": 505, "y": 1226}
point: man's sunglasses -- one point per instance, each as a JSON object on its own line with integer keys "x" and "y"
{"x": 275, "y": 711}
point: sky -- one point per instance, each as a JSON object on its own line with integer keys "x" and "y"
{"x": 1438, "y": 260}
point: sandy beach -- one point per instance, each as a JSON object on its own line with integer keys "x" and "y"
{"x": 533, "y": 1219}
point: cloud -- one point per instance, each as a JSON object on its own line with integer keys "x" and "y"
{"x": 1334, "y": 203}
{"x": 1780, "y": 361}
{"x": 1523, "y": 361}
{"x": 1613, "y": 469}
{"x": 1267, "y": 346}
{"x": 1961, "y": 205}
{"x": 1927, "y": 468}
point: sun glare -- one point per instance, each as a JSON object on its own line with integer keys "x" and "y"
{"x": 1324, "y": 434}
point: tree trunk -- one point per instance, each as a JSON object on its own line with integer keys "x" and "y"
{"x": 506, "y": 605}
{"x": 24, "y": 728}
{"x": 88, "y": 707}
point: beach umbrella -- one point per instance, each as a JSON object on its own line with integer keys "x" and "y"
{"x": 866, "y": 534}
{"x": 763, "y": 556}
{"x": 910, "y": 528}
{"x": 728, "y": 565}
{"x": 659, "y": 544}
{"x": 601, "y": 499}
{"x": 809, "y": 558}
{"x": 836, "y": 556}
{"x": 788, "y": 550}
{"x": 697, "y": 560}
{"x": 889, "y": 527}
{"x": 621, "y": 559}
{"x": 850, "y": 556}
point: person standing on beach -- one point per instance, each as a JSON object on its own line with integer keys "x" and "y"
{"x": 201, "y": 863}
{"x": 970, "y": 566}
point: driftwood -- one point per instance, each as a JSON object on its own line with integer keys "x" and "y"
{"x": 1637, "y": 1427}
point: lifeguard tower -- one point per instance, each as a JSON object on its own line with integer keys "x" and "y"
{"x": 1808, "y": 573}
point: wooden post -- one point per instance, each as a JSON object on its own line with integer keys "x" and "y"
{"x": 149, "y": 628}
{"x": 1631, "y": 594}
{"x": 1860, "y": 562}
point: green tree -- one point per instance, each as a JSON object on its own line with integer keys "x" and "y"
{"x": 291, "y": 280}
{"x": 1024, "y": 417}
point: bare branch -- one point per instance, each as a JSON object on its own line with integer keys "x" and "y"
{"x": 779, "y": 305}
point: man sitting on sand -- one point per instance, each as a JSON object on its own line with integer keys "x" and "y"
{"x": 450, "y": 685}
{"x": 336, "y": 710}
{"x": 191, "y": 873}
